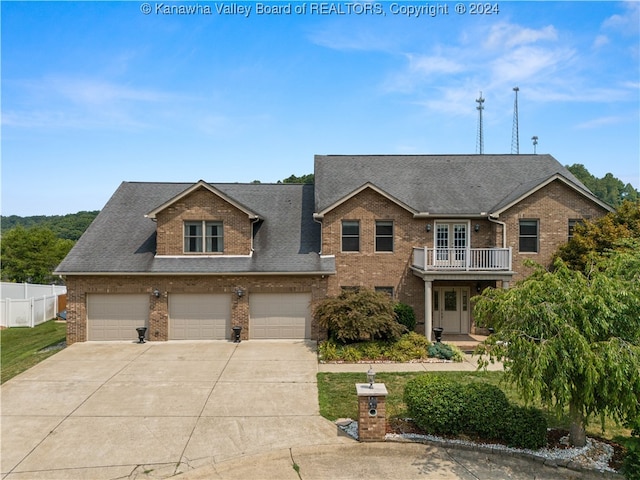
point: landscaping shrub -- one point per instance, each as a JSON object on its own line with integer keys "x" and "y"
{"x": 409, "y": 347}
{"x": 328, "y": 351}
{"x": 485, "y": 409}
{"x": 357, "y": 315}
{"x": 445, "y": 352}
{"x": 526, "y": 427}
{"x": 442, "y": 407}
{"x": 351, "y": 353}
{"x": 435, "y": 404}
{"x": 405, "y": 316}
{"x": 631, "y": 465}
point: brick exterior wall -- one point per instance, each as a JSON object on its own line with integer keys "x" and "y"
{"x": 197, "y": 206}
{"x": 368, "y": 268}
{"x": 78, "y": 287}
{"x": 552, "y": 206}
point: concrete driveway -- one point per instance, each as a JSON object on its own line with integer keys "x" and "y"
{"x": 125, "y": 410}
{"x": 204, "y": 411}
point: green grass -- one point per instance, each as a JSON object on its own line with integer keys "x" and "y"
{"x": 338, "y": 399}
{"x": 21, "y": 346}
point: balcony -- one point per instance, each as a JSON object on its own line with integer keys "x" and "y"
{"x": 462, "y": 259}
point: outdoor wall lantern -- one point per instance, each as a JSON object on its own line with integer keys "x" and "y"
{"x": 156, "y": 293}
{"x": 428, "y": 227}
{"x": 239, "y": 292}
{"x": 371, "y": 377}
{"x": 478, "y": 287}
{"x": 477, "y": 227}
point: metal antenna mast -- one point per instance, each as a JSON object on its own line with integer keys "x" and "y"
{"x": 515, "y": 136}
{"x": 535, "y": 143}
{"x": 480, "y": 140}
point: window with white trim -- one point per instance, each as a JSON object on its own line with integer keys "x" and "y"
{"x": 203, "y": 237}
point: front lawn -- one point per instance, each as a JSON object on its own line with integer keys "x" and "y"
{"x": 338, "y": 399}
{"x": 22, "y": 347}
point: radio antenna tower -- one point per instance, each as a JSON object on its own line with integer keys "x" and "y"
{"x": 515, "y": 136}
{"x": 480, "y": 140}
{"x": 534, "y": 139}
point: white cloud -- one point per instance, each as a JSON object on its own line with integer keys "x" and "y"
{"x": 628, "y": 22}
{"x": 601, "y": 41}
{"x": 529, "y": 64}
{"x": 600, "y": 122}
{"x": 507, "y": 35}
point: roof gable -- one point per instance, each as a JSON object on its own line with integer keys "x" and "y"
{"x": 198, "y": 185}
{"x": 525, "y": 191}
{"x": 364, "y": 187}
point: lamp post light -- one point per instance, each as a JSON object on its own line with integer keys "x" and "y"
{"x": 371, "y": 377}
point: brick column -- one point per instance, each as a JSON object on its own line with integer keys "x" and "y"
{"x": 372, "y": 423}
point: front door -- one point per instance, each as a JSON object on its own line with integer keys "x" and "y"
{"x": 451, "y": 309}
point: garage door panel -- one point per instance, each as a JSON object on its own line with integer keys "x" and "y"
{"x": 199, "y": 316}
{"x": 116, "y": 316}
{"x": 280, "y": 316}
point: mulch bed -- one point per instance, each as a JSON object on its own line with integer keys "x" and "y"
{"x": 403, "y": 426}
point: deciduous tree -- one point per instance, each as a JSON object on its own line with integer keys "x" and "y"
{"x": 31, "y": 254}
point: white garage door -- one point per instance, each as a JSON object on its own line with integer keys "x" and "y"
{"x": 116, "y": 316}
{"x": 280, "y": 315}
{"x": 199, "y": 316}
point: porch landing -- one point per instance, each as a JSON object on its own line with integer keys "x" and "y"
{"x": 465, "y": 342}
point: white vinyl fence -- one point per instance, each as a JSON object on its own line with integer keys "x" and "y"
{"x": 28, "y": 305}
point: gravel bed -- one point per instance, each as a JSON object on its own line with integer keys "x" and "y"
{"x": 594, "y": 455}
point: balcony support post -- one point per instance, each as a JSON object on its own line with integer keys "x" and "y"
{"x": 428, "y": 308}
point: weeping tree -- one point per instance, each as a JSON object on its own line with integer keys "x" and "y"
{"x": 571, "y": 339}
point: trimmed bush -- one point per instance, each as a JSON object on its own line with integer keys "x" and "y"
{"x": 442, "y": 407}
{"x": 405, "y": 316}
{"x": 526, "y": 428}
{"x": 435, "y": 404}
{"x": 485, "y": 410}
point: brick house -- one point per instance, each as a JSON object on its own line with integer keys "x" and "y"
{"x": 190, "y": 261}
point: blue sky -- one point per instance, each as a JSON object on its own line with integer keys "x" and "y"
{"x": 96, "y": 93}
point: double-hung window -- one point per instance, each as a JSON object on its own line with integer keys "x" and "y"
{"x": 572, "y": 225}
{"x": 203, "y": 237}
{"x": 528, "y": 236}
{"x": 350, "y": 236}
{"x": 384, "y": 236}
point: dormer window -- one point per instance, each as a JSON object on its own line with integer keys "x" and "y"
{"x": 203, "y": 237}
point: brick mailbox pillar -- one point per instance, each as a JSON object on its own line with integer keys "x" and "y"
{"x": 372, "y": 425}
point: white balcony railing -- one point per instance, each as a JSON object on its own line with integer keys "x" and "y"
{"x": 487, "y": 259}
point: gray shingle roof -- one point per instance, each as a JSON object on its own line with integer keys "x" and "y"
{"x": 437, "y": 184}
{"x": 122, "y": 240}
